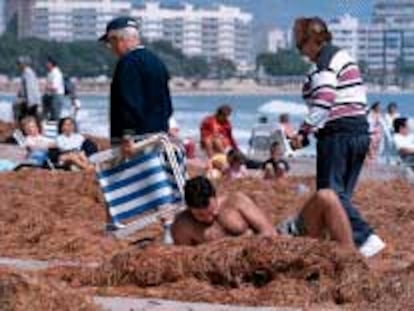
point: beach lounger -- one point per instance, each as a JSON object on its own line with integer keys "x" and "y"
{"x": 261, "y": 141}
{"x": 144, "y": 189}
{"x": 50, "y": 129}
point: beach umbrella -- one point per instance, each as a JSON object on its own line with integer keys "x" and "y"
{"x": 276, "y": 107}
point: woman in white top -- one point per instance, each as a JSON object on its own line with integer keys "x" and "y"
{"x": 37, "y": 144}
{"x": 391, "y": 115}
{"x": 69, "y": 143}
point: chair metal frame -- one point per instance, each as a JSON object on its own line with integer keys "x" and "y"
{"x": 143, "y": 143}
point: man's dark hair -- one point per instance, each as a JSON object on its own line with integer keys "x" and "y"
{"x": 224, "y": 110}
{"x": 399, "y": 123}
{"x": 51, "y": 60}
{"x": 274, "y": 145}
{"x": 284, "y": 117}
{"x": 235, "y": 156}
{"x": 375, "y": 105}
{"x": 198, "y": 191}
{"x": 391, "y": 106}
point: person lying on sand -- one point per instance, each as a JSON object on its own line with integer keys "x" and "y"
{"x": 210, "y": 217}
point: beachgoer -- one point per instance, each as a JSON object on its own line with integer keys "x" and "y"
{"x": 210, "y": 217}
{"x": 391, "y": 115}
{"x": 404, "y": 140}
{"x": 55, "y": 90}
{"x": 37, "y": 144}
{"x": 217, "y": 166}
{"x": 236, "y": 165}
{"x": 71, "y": 92}
{"x": 336, "y": 97}
{"x": 276, "y": 168}
{"x": 28, "y": 97}
{"x": 69, "y": 143}
{"x": 188, "y": 143}
{"x": 140, "y": 96}
{"x": 376, "y": 125}
{"x": 287, "y": 128}
{"x": 216, "y": 132}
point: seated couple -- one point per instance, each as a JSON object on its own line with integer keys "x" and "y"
{"x": 210, "y": 217}
{"x": 68, "y": 149}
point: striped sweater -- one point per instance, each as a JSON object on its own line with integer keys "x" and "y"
{"x": 333, "y": 90}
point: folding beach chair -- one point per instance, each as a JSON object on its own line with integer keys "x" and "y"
{"x": 261, "y": 141}
{"x": 144, "y": 189}
{"x": 50, "y": 129}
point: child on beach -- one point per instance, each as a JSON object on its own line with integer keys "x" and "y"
{"x": 276, "y": 154}
{"x": 237, "y": 168}
{"x": 69, "y": 143}
{"x": 37, "y": 144}
{"x": 217, "y": 166}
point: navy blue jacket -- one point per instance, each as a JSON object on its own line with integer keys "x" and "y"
{"x": 140, "y": 97}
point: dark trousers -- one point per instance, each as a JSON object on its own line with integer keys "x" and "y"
{"x": 339, "y": 162}
{"x": 52, "y": 107}
{"x": 21, "y": 110}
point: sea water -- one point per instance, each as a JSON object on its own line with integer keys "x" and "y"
{"x": 190, "y": 110}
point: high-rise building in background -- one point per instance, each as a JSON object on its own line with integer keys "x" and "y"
{"x": 215, "y": 32}
{"x": 277, "y": 39}
{"x": 391, "y": 36}
{"x": 345, "y": 33}
{"x": 67, "y": 20}
{"x": 3, "y": 21}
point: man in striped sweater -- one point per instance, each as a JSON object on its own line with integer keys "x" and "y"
{"x": 336, "y": 97}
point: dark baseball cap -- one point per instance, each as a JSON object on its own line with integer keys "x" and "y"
{"x": 119, "y": 23}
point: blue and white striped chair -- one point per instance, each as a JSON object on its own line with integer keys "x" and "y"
{"x": 50, "y": 129}
{"x": 144, "y": 189}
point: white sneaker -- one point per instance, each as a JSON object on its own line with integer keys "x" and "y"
{"x": 372, "y": 246}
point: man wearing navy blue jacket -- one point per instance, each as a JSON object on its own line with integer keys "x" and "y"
{"x": 140, "y": 97}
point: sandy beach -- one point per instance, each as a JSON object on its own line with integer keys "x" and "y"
{"x": 59, "y": 216}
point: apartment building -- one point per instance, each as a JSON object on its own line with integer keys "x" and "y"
{"x": 3, "y": 21}
{"x": 67, "y": 20}
{"x": 345, "y": 33}
{"x": 214, "y": 32}
{"x": 277, "y": 39}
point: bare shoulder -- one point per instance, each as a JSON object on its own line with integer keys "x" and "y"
{"x": 237, "y": 200}
{"x": 183, "y": 218}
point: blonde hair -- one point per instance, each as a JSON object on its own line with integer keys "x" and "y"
{"x": 26, "y": 121}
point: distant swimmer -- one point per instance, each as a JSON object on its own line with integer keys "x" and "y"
{"x": 336, "y": 97}
{"x": 211, "y": 217}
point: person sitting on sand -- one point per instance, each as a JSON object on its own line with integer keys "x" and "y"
{"x": 404, "y": 140}
{"x": 210, "y": 217}
{"x": 236, "y": 168}
{"x": 69, "y": 143}
{"x": 276, "y": 154}
{"x": 174, "y": 133}
{"x": 37, "y": 144}
{"x": 216, "y": 132}
{"x": 217, "y": 166}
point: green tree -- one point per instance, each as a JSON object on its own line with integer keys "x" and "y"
{"x": 282, "y": 63}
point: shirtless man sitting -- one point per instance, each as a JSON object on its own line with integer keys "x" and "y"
{"x": 210, "y": 217}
